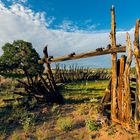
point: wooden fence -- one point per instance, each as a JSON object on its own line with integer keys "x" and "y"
{"x": 125, "y": 99}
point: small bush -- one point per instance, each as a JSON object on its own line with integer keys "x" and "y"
{"x": 19, "y": 113}
{"x": 92, "y": 125}
{"x": 65, "y": 123}
{"x": 33, "y": 103}
{"x": 27, "y": 123}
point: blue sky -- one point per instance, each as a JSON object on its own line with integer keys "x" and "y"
{"x": 95, "y": 10}
{"x": 84, "y": 13}
{"x": 67, "y": 26}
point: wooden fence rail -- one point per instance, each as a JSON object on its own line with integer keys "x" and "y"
{"x": 125, "y": 99}
{"x": 73, "y": 56}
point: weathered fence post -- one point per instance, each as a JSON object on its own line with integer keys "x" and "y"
{"x": 114, "y": 67}
{"x": 121, "y": 86}
{"x": 127, "y": 109}
{"x": 49, "y": 71}
{"x": 137, "y": 63}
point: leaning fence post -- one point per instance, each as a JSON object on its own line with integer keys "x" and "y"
{"x": 49, "y": 71}
{"x": 127, "y": 110}
{"x": 137, "y": 63}
{"x": 114, "y": 67}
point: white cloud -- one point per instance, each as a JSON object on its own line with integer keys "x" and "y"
{"x": 24, "y": 1}
{"x": 70, "y": 26}
{"x": 67, "y": 25}
{"x": 17, "y": 1}
{"x": 19, "y": 22}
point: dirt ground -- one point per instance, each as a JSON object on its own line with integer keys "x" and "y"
{"x": 81, "y": 105}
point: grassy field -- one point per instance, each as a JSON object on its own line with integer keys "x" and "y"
{"x": 77, "y": 119}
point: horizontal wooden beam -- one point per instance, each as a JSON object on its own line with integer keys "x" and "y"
{"x": 74, "y": 56}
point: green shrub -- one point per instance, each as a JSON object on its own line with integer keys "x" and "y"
{"x": 28, "y": 122}
{"x": 19, "y": 113}
{"x": 65, "y": 123}
{"x": 92, "y": 125}
{"x": 33, "y": 103}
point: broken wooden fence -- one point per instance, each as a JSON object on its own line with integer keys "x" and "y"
{"x": 124, "y": 91}
{"x": 125, "y": 100}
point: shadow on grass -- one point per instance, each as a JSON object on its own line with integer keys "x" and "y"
{"x": 79, "y": 124}
{"x": 76, "y": 101}
{"x": 81, "y": 89}
{"x": 80, "y": 98}
{"x": 11, "y": 118}
{"x": 8, "y": 124}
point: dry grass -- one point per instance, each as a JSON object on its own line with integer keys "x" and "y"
{"x": 54, "y": 122}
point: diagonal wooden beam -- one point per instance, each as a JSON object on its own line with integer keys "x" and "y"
{"x": 85, "y": 55}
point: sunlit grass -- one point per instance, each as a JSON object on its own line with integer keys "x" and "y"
{"x": 81, "y": 98}
{"x": 90, "y": 91}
